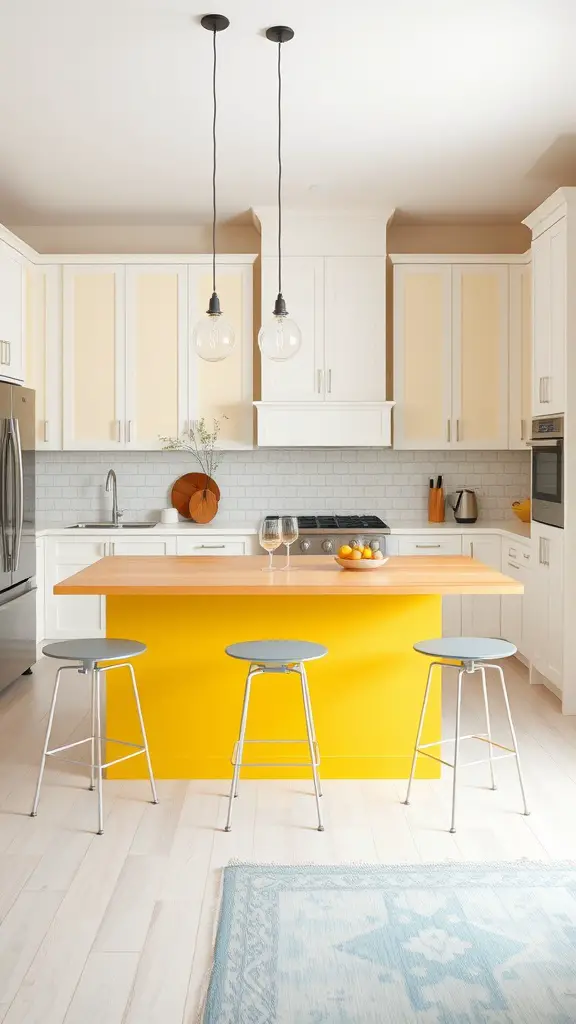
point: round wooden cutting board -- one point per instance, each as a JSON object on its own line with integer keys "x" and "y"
{"x": 188, "y": 485}
{"x": 203, "y": 506}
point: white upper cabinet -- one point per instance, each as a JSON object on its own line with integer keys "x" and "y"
{"x": 520, "y": 363}
{"x": 11, "y": 315}
{"x": 332, "y": 392}
{"x": 300, "y": 378}
{"x": 156, "y": 331}
{"x": 43, "y": 351}
{"x": 224, "y": 390}
{"x": 355, "y": 329}
{"x": 549, "y": 263}
{"x": 94, "y": 357}
{"x": 452, "y": 339}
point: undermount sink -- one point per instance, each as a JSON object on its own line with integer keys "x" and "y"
{"x": 112, "y": 526}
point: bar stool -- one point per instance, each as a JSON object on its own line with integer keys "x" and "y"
{"x": 279, "y": 657}
{"x": 89, "y": 654}
{"x": 472, "y": 655}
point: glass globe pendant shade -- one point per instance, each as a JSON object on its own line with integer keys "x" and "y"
{"x": 213, "y": 337}
{"x": 280, "y": 338}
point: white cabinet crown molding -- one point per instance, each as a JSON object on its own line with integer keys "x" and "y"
{"x": 507, "y": 259}
{"x": 551, "y": 210}
{"x": 157, "y": 259}
{"x": 320, "y": 233}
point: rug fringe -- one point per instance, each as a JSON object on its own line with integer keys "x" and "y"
{"x": 568, "y": 865}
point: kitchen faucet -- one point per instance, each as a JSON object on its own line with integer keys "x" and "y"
{"x": 111, "y": 482}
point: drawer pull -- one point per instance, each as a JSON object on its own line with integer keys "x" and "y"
{"x": 210, "y": 545}
{"x": 427, "y": 545}
{"x": 512, "y": 565}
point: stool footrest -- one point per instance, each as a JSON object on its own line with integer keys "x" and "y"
{"x": 139, "y": 749}
{"x": 467, "y": 764}
{"x": 275, "y": 764}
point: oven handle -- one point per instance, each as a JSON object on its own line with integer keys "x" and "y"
{"x": 541, "y": 443}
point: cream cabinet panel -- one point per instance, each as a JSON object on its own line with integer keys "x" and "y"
{"x": 11, "y": 316}
{"x": 224, "y": 390}
{"x": 355, "y": 328}
{"x": 94, "y": 357}
{"x": 43, "y": 351}
{"x": 480, "y": 356}
{"x": 520, "y": 362}
{"x": 156, "y": 335}
{"x": 481, "y": 613}
{"x": 143, "y": 546}
{"x": 422, "y": 356}
{"x": 300, "y": 378}
{"x": 550, "y": 267}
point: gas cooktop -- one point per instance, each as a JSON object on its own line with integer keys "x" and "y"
{"x": 344, "y": 523}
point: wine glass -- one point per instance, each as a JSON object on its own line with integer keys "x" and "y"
{"x": 270, "y": 538}
{"x": 289, "y": 535}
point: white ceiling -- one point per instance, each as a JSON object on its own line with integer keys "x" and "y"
{"x": 430, "y": 106}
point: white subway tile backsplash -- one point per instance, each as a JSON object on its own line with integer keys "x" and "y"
{"x": 287, "y": 480}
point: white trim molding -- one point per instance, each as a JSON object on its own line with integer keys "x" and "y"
{"x": 506, "y": 259}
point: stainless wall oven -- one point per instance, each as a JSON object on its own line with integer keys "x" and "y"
{"x": 547, "y": 443}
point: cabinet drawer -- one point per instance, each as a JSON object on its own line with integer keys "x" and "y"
{"x": 218, "y": 546}
{"x": 74, "y": 552}
{"x": 135, "y": 546}
{"x": 429, "y": 544}
{"x": 516, "y": 554}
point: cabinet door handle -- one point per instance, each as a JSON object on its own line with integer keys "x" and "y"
{"x": 540, "y": 389}
{"x": 427, "y": 545}
{"x": 512, "y": 565}
{"x": 119, "y": 430}
{"x": 548, "y": 389}
{"x": 471, "y": 549}
{"x": 329, "y": 382}
{"x": 448, "y": 431}
{"x": 457, "y": 430}
{"x": 8, "y": 352}
{"x": 522, "y": 430}
{"x": 319, "y": 381}
{"x": 3, "y": 359}
{"x": 46, "y": 431}
{"x": 129, "y": 430}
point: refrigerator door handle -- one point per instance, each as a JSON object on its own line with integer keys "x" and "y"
{"x": 5, "y": 521}
{"x": 17, "y": 491}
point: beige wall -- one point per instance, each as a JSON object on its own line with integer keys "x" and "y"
{"x": 457, "y": 237}
{"x": 79, "y": 238}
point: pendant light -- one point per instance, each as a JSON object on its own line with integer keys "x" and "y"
{"x": 213, "y": 336}
{"x": 280, "y": 338}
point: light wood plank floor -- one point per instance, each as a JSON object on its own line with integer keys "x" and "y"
{"x": 119, "y": 928}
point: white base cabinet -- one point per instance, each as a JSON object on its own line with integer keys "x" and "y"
{"x": 545, "y": 604}
{"x": 481, "y": 612}
{"x": 435, "y": 544}
{"x": 516, "y": 562}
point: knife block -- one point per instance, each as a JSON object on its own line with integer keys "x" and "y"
{"x": 436, "y": 505}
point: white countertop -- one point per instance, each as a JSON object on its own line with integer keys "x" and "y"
{"x": 503, "y": 527}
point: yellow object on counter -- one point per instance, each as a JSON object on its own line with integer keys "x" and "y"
{"x": 523, "y": 509}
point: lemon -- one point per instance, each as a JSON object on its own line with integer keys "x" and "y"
{"x": 345, "y": 551}
{"x": 367, "y": 553}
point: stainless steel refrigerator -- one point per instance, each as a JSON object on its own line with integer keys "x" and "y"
{"x": 17, "y": 533}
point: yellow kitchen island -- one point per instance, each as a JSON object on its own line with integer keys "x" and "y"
{"x": 366, "y": 693}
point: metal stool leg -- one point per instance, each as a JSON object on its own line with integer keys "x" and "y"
{"x": 34, "y": 810}
{"x": 308, "y": 703}
{"x": 456, "y": 749}
{"x": 93, "y": 730}
{"x": 311, "y": 741}
{"x": 433, "y": 665}
{"x": 144, "y": 736}
{"x": 488, "y": 728}
{"x": 98, "y": 744}
{"x": 513, "y": 734}
{"x": 239, "y": 749}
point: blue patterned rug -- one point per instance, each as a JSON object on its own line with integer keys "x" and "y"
{"x": 447, "y": 944}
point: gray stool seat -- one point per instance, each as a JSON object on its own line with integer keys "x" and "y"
{"x": 474, "y": 656}
{"x": 278, "y": 652}
{"x": 87, "y": 655}
{"x": 94, "y": 650}
{"x": 466, "y": 648}
{"x": 265, "y": 658}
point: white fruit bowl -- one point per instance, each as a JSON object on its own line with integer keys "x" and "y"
{"x": 360, "y": 564}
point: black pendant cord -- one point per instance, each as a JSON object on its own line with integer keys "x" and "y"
{"x": 279, "y": 169}
{"x": 214, "y": 109}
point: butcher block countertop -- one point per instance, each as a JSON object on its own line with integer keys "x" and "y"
{"x": 142, "y": 575}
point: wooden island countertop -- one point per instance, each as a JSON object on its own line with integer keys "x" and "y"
{"x": 172, "y": 575}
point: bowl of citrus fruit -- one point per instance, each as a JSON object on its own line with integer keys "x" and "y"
{"x": 359, "y": 557}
